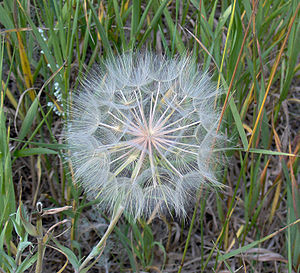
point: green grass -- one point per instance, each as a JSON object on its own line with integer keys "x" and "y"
{"x": 252, "y": 50}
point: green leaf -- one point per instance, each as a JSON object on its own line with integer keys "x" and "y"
{"x": 172, "y": 28}
{"x": 69, "y": 253}
{"x": 238, "y": 123}
{"x": 119, "y": 23}
{"x": 23, "y": 245}
{"x": 18, "y": 227}
{"x": 28, "y": 120}
{"x": 55, "y": 146}
{"x": 2, "y": 236}
{"x": 125, "y": 241}
{"x": 240, "y": 250}
{"x": 153, "y": 22}
{"x": 33, "y": 151}
{"x": 268, "y": 152}
{"x": 256, "y": 151}
{"x": 293, "y": 206}
{"x": 28, "y": 262}
{"x": 31, "y": 229}
{"x": 136, "y": 7}
{"x": 101, "y": 31}
{"x": 8, "y": 261}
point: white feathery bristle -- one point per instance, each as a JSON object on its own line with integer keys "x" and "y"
{"x": 141, "y": 133}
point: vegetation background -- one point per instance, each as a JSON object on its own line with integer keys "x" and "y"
{"x": 250, "y": 47}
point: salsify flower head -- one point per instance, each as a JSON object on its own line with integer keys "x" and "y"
{"x": 141, "y": 132}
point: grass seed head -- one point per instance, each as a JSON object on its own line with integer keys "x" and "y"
{"x": 141, "y": 133}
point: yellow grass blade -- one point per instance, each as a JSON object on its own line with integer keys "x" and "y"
{"x": 12, "y": 99}
{"x": 275, "y": 200}
{"x": 25, "y": 67}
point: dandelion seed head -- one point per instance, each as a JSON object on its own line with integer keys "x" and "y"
{"x": 141, "y": 133}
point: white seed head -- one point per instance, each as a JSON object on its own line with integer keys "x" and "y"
{"x": 141, "y": 133}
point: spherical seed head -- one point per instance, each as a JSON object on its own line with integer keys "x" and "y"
{"x": 141, "y": 133}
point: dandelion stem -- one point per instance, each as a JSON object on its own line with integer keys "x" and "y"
{"x": 41, "y": 245}
{"x": 98, "y": 248}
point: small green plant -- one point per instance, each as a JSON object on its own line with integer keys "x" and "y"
{"x": 13, "y": 260}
